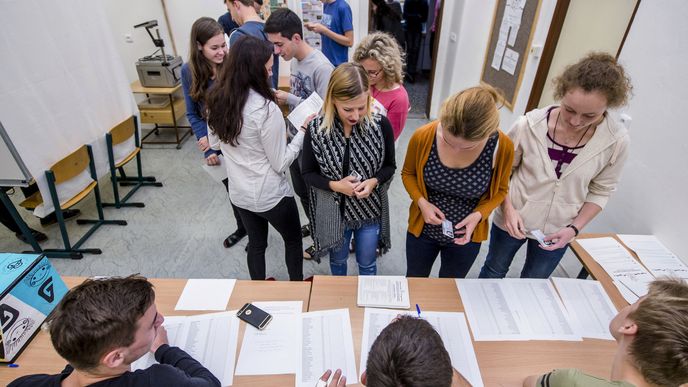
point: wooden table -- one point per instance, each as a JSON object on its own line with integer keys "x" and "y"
{"x": 165, "y": 117}
{"x": 40, "y": 357}
{"x": 503, "y": 363}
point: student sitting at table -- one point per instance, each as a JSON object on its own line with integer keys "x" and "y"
{"x": 652, "y": 335}
{"x": 408, "y": 352}
{"x": 102, "y": 326}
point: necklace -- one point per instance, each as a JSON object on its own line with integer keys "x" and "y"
{"x": 554, "y": 134}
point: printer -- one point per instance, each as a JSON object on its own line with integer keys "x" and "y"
{"x": 158, "y": 70}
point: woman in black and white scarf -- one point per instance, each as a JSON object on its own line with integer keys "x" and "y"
{"x": 348, "y": 162}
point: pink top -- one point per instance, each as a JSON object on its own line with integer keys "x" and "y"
{"x": 396, "y": 102}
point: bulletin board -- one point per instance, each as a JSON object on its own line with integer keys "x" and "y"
{"x": 512, "y": 30}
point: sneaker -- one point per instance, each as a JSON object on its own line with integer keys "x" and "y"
{"x": 233, "y": 239}
{"x": 309, "y": 252}
{"x": 66, "y": 215}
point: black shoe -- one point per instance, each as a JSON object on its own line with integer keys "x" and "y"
{"x": 37, "y": 235}
{"x": 233, "y": 238}
{"x": 305, "y": 231}
{"x": 309, "y": 252}
{"x": 66, "y": 215}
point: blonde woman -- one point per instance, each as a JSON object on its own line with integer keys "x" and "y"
{"x": 382, "y": 59}
{"x": 348, "y": 161}
{"x": 456, "y": 171}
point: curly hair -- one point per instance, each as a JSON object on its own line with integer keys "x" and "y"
{"x": 383, "y": 48}
{"x": 598, "y": 71}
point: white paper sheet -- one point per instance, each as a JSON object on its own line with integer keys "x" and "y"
{"x": 628, "y": 275}
{"x": 510, "y": 61}
{"x": 211, "y": 339}
{"x": 588, "y": 305}
{"x": 275, "y": 349}
{"x": 383, "y": 291}
{"x": 327, "y": 343}
{"x": 308, "y": 106}
{"x": 206, "y": 294}
{"x": 655, "y": 256}
{"x": 216, "y": 172}
{"x": 515, "y": 309}
{"x": 450, "y": 325}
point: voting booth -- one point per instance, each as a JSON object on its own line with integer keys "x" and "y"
{"x": 30, "y": 289}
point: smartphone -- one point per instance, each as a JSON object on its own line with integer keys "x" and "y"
{"x": 356, "y": 175}
{"x": 540, "y": 236}
{"x": 448, "y": 229}
{"x": 255, "y": 316}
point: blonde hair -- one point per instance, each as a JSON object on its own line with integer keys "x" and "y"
{"x": 348, "y": 81}
{"x": 383, "y": 48}
{"x": 472, "y": 113}
{"x": 660, "y": 346}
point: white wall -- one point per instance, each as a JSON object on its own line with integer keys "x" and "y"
{"x": 652, "y": 192}
{"x": 182, "y": 15}
{"x": 460, "y": 62}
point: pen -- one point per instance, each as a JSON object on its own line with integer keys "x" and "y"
{"x": 418, "y": 310}
{"x": 11, "y": 365}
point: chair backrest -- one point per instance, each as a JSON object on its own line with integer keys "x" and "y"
{"x": 123, "y": 131}
{"x": 72, "y": 165}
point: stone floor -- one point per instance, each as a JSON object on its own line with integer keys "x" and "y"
{"x": 179, "y": 233}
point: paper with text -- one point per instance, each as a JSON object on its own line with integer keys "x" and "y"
{"x": 383, "y": 291}
{"x": 588, "y": 305}
{"x": 206, "y": 294}
{"x": 655, "y": 256}
{"x": 308, "y": 106}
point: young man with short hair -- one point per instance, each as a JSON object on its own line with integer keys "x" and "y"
{"x": 102, "y": 326}
{"x": 652, "y": 337}
{"x": 310, "y": 72}
{"x": 336, "y": 29}
{"x": 228, "y": 24}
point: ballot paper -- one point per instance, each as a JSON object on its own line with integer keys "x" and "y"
{"x": 628, "y": 275}
{"x": 450, "y": 325}
{"x": 327, "y": 343}
{"x": 209, "y": 338}
{"x": 383, "y": 291}
{"x": 514, "y": 309}
{"x": 206, "y": 294}
{"x": 216, "y": 172}
{"x": 655, "y": 256}
{"x": 308, "y": 106}
{"x": 275, "y": 349}
{"x": 588, "y": 305}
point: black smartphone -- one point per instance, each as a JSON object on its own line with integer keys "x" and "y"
{"x": 255, "y": 316}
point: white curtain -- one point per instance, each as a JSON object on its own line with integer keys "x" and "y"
{"x": 62, "y": 84}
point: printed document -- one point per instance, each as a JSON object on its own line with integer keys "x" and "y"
{"x": 308, "y": 106}
{"x": 274, "y": 350}
{"x": 588, "y": 305}
{"x": 450, "y": 325}
{"x": 209, "y": 338}
{"x": 383, "y": 291}
{"x": 655, "y": 256}
{"x": 514, "y": 309}
{"x": 206, "y": 294}
{"x": 327, "y": 343}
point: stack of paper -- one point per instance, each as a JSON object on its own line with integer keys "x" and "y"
{"x": 206, "y": 294}
{"x": 383, "y": 291}
{"x": 514, "y": 309}
{"x": 588, "y": 305}
{"x": 655, "y": 256}
{"x": 450, "y": 325}
{"x": 629, "y": 276}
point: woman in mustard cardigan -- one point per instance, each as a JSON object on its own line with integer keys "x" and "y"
{"x": 456, "y": 171}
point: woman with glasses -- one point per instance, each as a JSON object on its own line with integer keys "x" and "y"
{"x": 381, "y": 57}
{"x": 456, "y": 171}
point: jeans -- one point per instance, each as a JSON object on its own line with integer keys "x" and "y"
{"x": 421, "y": 253}
{"x": 240, "y": 224}
{"x": 413, "y": 43}
{"x": 366, "y": 244}
{"x": 540, "y": 263}
{"x": 300, "y": 187}
{"x": 284, "y": 217}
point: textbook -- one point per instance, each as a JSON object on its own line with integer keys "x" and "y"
{"x": 381, "y": 291}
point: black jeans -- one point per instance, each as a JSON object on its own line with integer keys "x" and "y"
{"x": 300, "y": 187}
{"x": 284, "y": 217}
{"x": 240, "y": 224}
{"x": 421, "y": 253}
{"x": 413, "y": 43}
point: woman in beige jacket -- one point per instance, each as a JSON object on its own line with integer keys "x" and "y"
{"x": 567, "y": 162}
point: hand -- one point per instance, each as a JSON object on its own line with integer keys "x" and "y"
{"x": 560, "y": 238}
{"x": 212, "y": 160}
{"x": 345, "y": 186}
{"x": 160, "y": 338}
{"x": 281, "y": 97}
{"x": 431, "y": 214}
{"x": 468, "y": 225}
{"x": 337, "y": 380}
{"x": 307, "y": 122}
{"x": 514, "y": 223}
{"x": 203, "y": 144}
{"x": 365, "y": 188}
{"x": 315, "y": 27}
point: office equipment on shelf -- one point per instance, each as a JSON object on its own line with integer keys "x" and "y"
{"x": 158, "y": 70}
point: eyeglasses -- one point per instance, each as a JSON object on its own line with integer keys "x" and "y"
{"x": 373, "y": 74}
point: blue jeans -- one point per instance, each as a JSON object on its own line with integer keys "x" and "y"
{"x": 366, "y": 244}
{"x": 421, "y": 253}
{"x": 540, "y": 263}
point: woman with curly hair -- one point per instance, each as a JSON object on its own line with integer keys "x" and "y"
{"x": 568, "y": 160}
{"x": 381, "y": 57}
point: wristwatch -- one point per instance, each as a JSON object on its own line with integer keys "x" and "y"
{"x": 575, "y": 229}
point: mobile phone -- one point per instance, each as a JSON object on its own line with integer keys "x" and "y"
{"x": 356, "y": 175}
{"x": 447, "y": 228}
{"x": 540, "y": 236}
{"x": 255, "y": 316}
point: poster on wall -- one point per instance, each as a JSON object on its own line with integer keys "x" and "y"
{"x": 511, "y": 34}
{"x": 312, "y": 11}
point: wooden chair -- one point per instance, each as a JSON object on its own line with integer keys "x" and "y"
{"x": 62, "y": 171}
{"x": 122, "y": 132}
